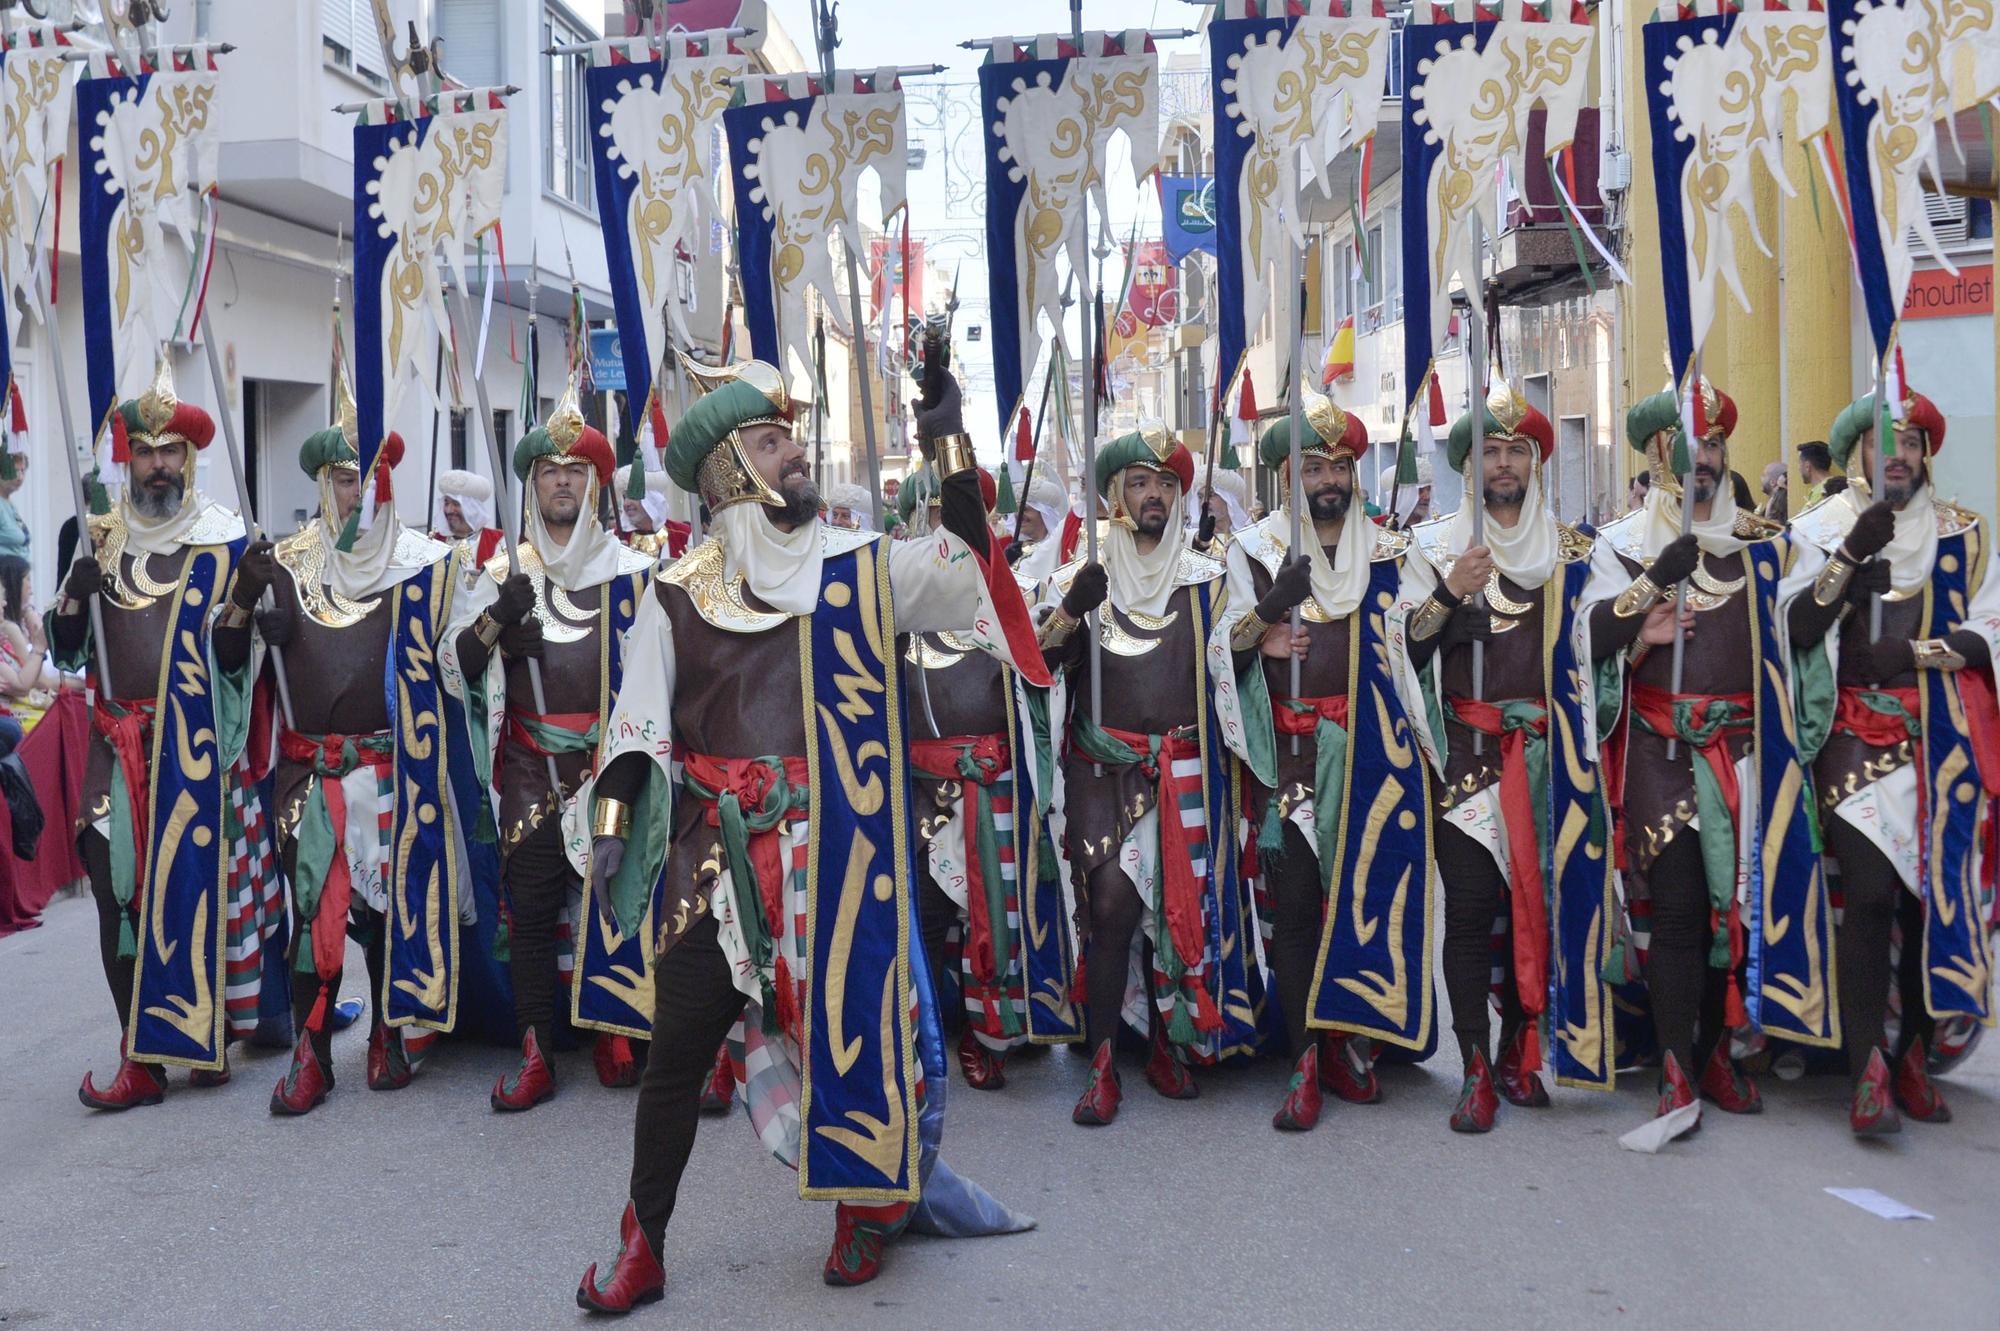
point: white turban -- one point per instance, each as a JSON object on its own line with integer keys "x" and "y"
{"x": 474, "y": 495}
{"x": 1234, "y": 492}
{"x": 654, "y": 502}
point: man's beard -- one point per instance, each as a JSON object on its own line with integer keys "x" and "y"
{"x": 1151, "y": 520}
{"x": 1900, "y": 492}
{"x": 1507, "y": 492}
{"x": 1330, "y": 503}
{"x": 157, "y": 505}
{"x": 1704, "y": 485}
{"x": 801, "y": 500}
{"x": 552, "y": 516}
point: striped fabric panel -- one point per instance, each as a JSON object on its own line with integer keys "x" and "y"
{"x": 1268, "y": 9}
{"x": 1012, "y": 50}
{"x": 762, "y": 88}
{"x": 255, "y": 901}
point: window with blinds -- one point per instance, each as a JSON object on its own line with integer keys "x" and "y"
{"x": 350, "y": 40}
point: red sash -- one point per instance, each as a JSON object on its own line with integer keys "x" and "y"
{"x": 125, "y": 724}
{"x": 1300, "y": 716}
{"x": 1527, "y": 902}
{"x": 981, "y": 759}
{"x": 332, "y": 757}
{"x": 1180, "y": 894}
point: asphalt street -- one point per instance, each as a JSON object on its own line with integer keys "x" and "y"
{"x": 423, "y": 1208}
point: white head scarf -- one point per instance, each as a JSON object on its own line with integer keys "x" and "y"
{"x": 161, "y": 536}
{"x": 474, "y": 495}
{"x": 1339, "y": 586}
{"x": 592, "y": 555}
{"x": 654, "y": 501}
{"x": 1716, "y": 534}
{"x": 1525, "y": 553}
{"x": 1912, "y": 551}
{"x": 1142, "y": 581}
{"x": 370, "y": 567}
{"x": 782, "y": 569}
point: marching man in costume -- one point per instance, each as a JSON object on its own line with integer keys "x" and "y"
{"x": 1914, "y": 730}
{"x": 1504, "y": 800}
{"x": 981, "y": 762}
{"x": 178, "y": 583}
{"x": 757, "y": 757}
{"x": 465, "y": 516}
{"x": 568, "y": 607}
{"x": 1151, "y": 787}
{"x": 1717, "y": 843}
{"x": 1310, "y": 751}
{"x": 363, "y": 813}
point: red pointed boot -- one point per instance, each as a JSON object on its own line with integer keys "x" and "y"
{"x": 1477, "y": 1100}
{"x": 984, "y": 1069}
{"x": 856, "y": 1255}
{"x": 1347, "y": 1068}
{"x": 1303, "y": 1101}
{"x": 531, "y": 1082}
{"x": 1676, "y": 1092}
{"x": 1166, "y": 1074}
{"x": 1098, "y": 1104}
{"x": 635, "y": 1278}
{"x": 1730, "y": 1087}
{"x": 388, "y": 1061}
{"x": 305, "y": 1083}
{"x": 1873, "y": 1113}
{"x": 1515, "y": 1086}
{"x": 1916, "y": 1094}
{"x": 617, "y": 1065}
{"x": 136, "y": 1084}
{"x": 721, "y": 1088}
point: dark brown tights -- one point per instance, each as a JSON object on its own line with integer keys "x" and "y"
{"x": 1874, "y": 897}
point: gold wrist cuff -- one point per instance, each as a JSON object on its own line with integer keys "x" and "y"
{"x": 1429, "y": 620}
{"x": 486, "y": 629}
{"x": 1055, "y": 629}
{"x": 610, "y": 817}
{"x": 1935, "y": 654}
{"x": 954, "y": 454}
{"x": 1637, "y": 599}
{"x": 1248, "y": 633}
{"x": 1831, "y": 584}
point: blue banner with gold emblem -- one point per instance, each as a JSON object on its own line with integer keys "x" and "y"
{"x": 1576, "y": 865}
{"x": 420, "y": 979}
{"x": 858, "y": 1091}
{"x": 177, "y": 991}
{"x": 1958, "y": 955}
{"x": 613, "y": 989}
{"x": 1374, "y": 972}
{"x": 1788, "y": 948}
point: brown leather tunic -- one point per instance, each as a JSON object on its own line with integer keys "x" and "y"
{"x": 572, "y": 681}
{"x": 1514, "y": 669}
{"x": 1847, "y": 763}
{"x": 736, "y": 695}
{"x": 1719, "y": 659}
{"x": 335, "y": 677}
{"x": 969, "y": 697}
{"x": 1150, "y": 694}
{"x": 135, "y": 643}
{"x": 1323, "y": 674}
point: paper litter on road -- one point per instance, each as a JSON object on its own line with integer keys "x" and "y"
{"x": 1876, "y": 1203}
{"x": 1649, "y": 1137}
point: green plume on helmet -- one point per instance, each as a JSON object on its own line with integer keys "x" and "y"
{"x": 1649, "y": 416}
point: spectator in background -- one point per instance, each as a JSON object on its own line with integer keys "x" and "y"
{"x": 1774, "y": 506}
{"x": 28, "y": 677}
{"x": 1815, "y": 470}
{"x": 13, "y": 531}
{"x": 1635, "y": 497}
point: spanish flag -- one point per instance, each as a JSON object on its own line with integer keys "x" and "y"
{"x": 1339, "y": 354}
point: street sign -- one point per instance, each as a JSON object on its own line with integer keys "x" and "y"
{"x": 607, "y": 366}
